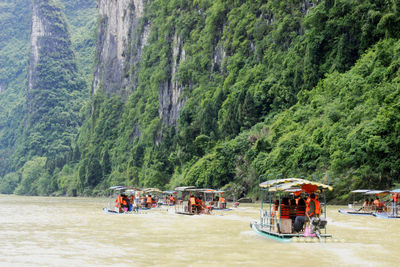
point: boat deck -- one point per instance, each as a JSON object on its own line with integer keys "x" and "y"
{"x": 267, "y": 231}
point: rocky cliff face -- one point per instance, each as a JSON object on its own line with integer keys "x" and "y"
{"x": 51, "y": 121}
{"x": 49, "y": 40}
{"x": 120, "y": 44}
{"x": 118, "y": 25}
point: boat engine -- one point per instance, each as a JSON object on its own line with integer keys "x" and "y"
{"x": 317, "y": 224}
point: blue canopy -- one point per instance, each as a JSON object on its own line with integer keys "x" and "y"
{"x": 395, "y": 191}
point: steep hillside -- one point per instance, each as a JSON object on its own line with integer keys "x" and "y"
{"x": 217, "y": 93}
{"x": 208, "y": 81}
{"x": 39, "y": 116}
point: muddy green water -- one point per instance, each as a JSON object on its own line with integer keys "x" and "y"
{"x": 45, "y": 231}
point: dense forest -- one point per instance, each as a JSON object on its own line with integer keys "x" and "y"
{"x": 268, "y": 89}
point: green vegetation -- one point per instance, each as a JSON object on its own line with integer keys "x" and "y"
{"x": 270, "y": 87}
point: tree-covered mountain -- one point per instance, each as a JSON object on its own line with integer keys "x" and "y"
{"x": 217, "y": 93}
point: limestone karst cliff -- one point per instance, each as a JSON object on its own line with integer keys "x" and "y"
{"x": 52, "y": 80}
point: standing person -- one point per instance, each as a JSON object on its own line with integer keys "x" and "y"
{"x": 313, "y": 207}
{"x": 137, "y": 200}
{"x": 395, "y": 199}
{"x": 222, "y": 202}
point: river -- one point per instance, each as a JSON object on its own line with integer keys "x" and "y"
{"x": 47, "y": 231}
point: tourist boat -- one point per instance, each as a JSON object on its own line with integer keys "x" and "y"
{"x": 217, "y": 204}
{"x": 271, "y": 225}
{"x": 184, "y": 205}
{"x": 392, "y": 209}
{"x": 116, "y": 191}
{"x": 166, "y": 198}
{"x": 354, "y": 209}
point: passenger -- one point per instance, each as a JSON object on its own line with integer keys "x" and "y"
{"x": 130, "y": 203}
{"x": 118, "y": 203}
{"x": 313, "y": 207}
{"x": 395, "y": 199}
{"x": 377, "y": 204}
{"x": 216, "y": 200}
{"x": 171, "y": 200}
{"x": 275, "y": 208}
{"x": 222, "y": 202}
{"x": 192, "y": 204}
{"x": 285, "y": 212}
{"x": 300, "y": 216}
{"x": 149, "y": 201}
{"x": 367, "y": 205}
{"x": 199, "y": 205}
{"x": 124, "y": 203}
{"x": 292, "y": 209}
{"x": 143, "y": 201}
{"x": 137, "y": 200}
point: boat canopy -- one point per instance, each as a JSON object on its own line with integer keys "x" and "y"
{"x": 395, "y": 191}
{"x": 152, "y": 190}
{"x": 169, "y": 192}
{"x": 289, "y": 184}
{"x": 184, "y": 188}
{"x": 119, "y": 187}
{"x": 361, "y": 191}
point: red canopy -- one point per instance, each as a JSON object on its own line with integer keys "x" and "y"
{"x": 309, "y": 188}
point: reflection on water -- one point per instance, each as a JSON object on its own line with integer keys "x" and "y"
{"x": 75, "y": 231}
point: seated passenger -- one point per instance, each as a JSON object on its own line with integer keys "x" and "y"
{"x": 149, "y": 201}
{"x": 292, "y": 209}
{"x": 171, "y": 200}
{"x": 199, "y": 205}
{"x": 300, "y": 215}
{"x": 377, "y": 204}
{"x": 285, "y": 212}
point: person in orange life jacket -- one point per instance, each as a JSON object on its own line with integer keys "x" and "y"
{"x": 149, "y": 201}
{"x": 192, "y": 204}
{"x": 222, "y": 202}
{"x": 395, "y": 199}
{"x": 313, "y": 208}
{"x": 171, "y": 200}
{"x": 300, "y": 215}
{"x": 118, "y": 202}
{"x": 123, "y": 202}
{"x": 377, "y": 204}
{"x": 285, "y": 211}
{"x": 199, "y": 204}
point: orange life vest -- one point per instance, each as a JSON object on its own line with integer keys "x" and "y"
{"x": 192, "y": 201}
{"x": 172, "y": 199}
{"x": 118, "y": 201}
{"x": 308, "y": 207}
{"x": 285, "y": 212}
{"x": 317, "y": 207}
{"x": 222, "y": 199}
{"x": 149, "y": 200}
{"x": 395, "y": 197}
